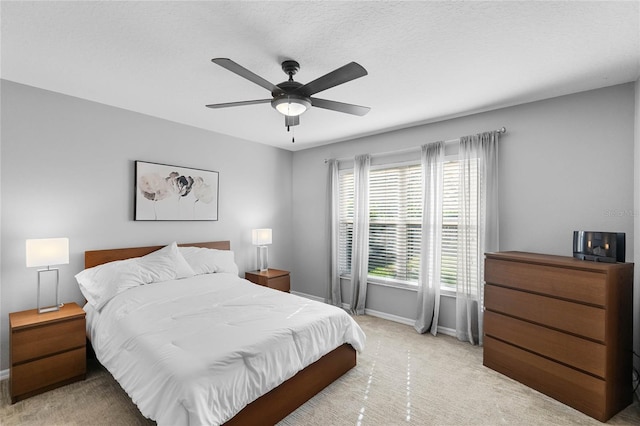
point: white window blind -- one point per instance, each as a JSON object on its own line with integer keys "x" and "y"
{"x": 473, "y": 185}
{"x": 395, "y": 212}
{"x": 346, "y": 192}
{"x": 395, "y": 215}
{"x": 450, "y": 210}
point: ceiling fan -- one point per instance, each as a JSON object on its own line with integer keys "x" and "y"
{"x": 291, "y": 98}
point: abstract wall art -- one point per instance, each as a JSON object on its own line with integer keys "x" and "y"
{"x": 165, "y": 192}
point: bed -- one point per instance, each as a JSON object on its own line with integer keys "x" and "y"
{"x": 299, "y": 346}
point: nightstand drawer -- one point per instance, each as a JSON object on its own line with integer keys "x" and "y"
{"x": 280, "y": 283}
{"x": 277, "y": 279}
{"x": 46, "y": 339}
{"x": 47, "y": 372}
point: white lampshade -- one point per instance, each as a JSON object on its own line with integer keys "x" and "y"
{"x": 261, "y": 237}
{"x": 47, "y": 252}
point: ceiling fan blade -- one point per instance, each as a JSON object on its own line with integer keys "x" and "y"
{"x": 241, "y": 103}
{"x": 346, "y": 73}
{"x": 245, "y": 73}
{"x": 340, "y": 107}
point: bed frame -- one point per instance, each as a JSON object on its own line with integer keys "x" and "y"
{"x": 275, "y": 405}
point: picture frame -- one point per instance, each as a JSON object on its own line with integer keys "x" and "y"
{"x": 168, "y": 193}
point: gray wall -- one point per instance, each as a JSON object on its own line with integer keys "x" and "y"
{"x": 565, "y": 164}
{"x": 67, "y": 170}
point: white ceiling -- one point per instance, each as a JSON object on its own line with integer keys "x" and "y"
{"x": 427, "y": 61}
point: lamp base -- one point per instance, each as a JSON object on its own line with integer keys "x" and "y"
{"x": 53, "y": 308}
{"x": 263, "y": 258}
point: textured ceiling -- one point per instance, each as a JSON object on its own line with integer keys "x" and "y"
{"x": 427, "y": 61}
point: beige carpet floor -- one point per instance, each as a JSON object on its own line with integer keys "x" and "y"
{"x": 401, "y": 378}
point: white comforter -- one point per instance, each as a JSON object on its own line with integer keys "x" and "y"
{"x": 196, "y": 351}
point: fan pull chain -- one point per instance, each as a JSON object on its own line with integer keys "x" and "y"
{"x": 293, "y": 138}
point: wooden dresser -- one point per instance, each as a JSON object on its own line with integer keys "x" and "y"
{"x": 47, "y": 350}
{"x": 562, "y": 326}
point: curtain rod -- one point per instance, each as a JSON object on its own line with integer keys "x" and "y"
{"x": 413, "y": 148}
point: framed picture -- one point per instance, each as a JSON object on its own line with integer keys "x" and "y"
{"x": 166, "y": 192}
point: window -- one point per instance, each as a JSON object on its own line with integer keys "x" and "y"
{"x": 395, "y": 223}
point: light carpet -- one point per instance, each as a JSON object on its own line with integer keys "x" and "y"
{"x": 401, "y": 378}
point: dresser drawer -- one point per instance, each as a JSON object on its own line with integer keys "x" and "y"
{"x": 573, "y": 284}
{"x": 579, "y": 390}
{"x": 46, "y": 372}
{"x": 583, "y": 320}
{"x": 35, "y": 342}
{"x": 280, "y": 283}
{"x": 567, "y": 349}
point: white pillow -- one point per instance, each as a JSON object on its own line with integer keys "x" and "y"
{"x": 207, "y": 261}
{"x": 225, "y": 261}
{"x": 201, "y": 260}
{"x": 101, "y": 283}
{"x": 166, "y": 264}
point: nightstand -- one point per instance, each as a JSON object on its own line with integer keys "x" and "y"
{"x": 273, "y": 278}
{"x": 47, "y": 350}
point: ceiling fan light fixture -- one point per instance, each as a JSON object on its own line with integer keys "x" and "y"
{"x": 291, "y": 105}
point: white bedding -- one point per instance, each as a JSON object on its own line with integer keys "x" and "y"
{"x": 197, "y": 350}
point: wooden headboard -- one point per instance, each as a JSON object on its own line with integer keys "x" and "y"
{"x": 98, "y": 257}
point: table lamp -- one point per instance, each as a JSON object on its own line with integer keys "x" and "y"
{"x": 47, "y": 252}
{"x": 260, "y": 238}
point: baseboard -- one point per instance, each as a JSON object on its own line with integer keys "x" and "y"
{"x": 406, "y": 321}
{"x": 390, "y": 317}
{"x": 309, "y": 296}
{"x": 395, "y": 318}
{"x": 4, "y": 374}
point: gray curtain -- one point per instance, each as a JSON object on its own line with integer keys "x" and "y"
{"x": 335, "y": 294}
{"x": 431, "y": 242}
{"x": 360, "y": 242}
{"x": 477, "y": 229}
